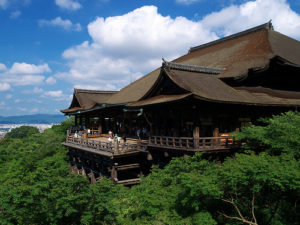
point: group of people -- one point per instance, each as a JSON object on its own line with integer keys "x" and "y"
{"x": 141, "y": 133}
{"x": 114, "y": 137}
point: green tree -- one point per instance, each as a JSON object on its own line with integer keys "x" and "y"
{"x": 280, "y": 134}
{"x": 22, "y": 132}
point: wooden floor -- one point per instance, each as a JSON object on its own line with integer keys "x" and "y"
{"x": 128, "y": 140}
{"x": 101, "y": 146}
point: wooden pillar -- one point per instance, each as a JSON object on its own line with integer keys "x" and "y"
{"x": 216, "y": 132}
{"x": 76, "y": 120}
{"x": 87, "y": 121}
{"x": 92, "y": 177}
{"x": 80, "y": 120}
{"x": 114, "y": 173}
{"x": 196, "y": 137}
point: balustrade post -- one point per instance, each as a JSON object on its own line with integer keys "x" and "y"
{"x": 116, "y": 143}
{"x": 139, "y": 142}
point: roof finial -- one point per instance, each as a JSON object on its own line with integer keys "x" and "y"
{"x": 165, "y": 64}
{"x": 270, "y": 25}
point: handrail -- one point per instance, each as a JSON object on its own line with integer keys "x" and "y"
{"x": 112, "y": 147}
{"x": 192, "y": 143}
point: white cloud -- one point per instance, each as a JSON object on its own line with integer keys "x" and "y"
{"x": 24, "y": 68}
{"x": 22, "y": 74}
{"x": 34, "y": 110}
{"x": 186, "y": 2}
{"x": 50, "y": 80}
{"x": 17, "y": 100}
{"x": 115, "y": 54}
{"x": 23, "y": 80}
{"x": 55, "y": 94}
{"x": 3, "y": 4}
{"x": 34, "y": 100}
{"x": 125, "y": 47}
{"x": 22, "y": 109}
{"x": 2, "y": 67}
{"x": 4, "y": 86}
{"x": 68, "y": 4}
{"x": 2, "y": 104}
{"x": 59, "y": 22}
{"x": 8, "y": 96}
{"x": 239, "y": 17}
{"x": 15, "y": 14}
{"x": 37, "y": 90}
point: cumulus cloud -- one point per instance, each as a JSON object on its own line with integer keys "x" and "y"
{"x": 2, "y": 67}
{"x": 186, "y": 2}
{"x": 56, "y": 95}
{"x": 239, "y": 17}
{"x": 68, "y": 4}
{"x": 50, "y": 80}
{"x": 24, "y": 80}
{"x": 3, "y": 4}
{"x": 59, "y": 22}
{"x": 8, "y": 96}
{"x": 22, "y": 74}
{"x": 34, "y": 110}
{"x": 2, "y": 104}
{"x": 37, "y": 90}
{"x": 4, "y": 86}
{"x": 24, "y": 68}
{"x": 15, "y": 14}
{"x": 115, "y": 54}
{"x": 125, "y": 47}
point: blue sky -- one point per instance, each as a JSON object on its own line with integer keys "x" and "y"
{"x": 48, "y": 47}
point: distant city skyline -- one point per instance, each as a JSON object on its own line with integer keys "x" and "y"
{"x": 49, "y": 47}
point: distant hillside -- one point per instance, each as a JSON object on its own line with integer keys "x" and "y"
{"x": 36, "y": 118}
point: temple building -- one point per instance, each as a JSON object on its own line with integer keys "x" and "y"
{"x": 191, "y": 104}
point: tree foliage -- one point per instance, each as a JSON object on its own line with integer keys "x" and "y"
{"x": 280, "y": 134}
{"x": 22, "y": 132}
{"x": 257, "y": 186}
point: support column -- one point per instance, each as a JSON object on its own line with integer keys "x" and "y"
{"x": 114, "y": 173}
{"x": 87, "y": 121}
{"x": 92, "y": 177}
{"x": 76, "y": 120}
{"x": 80, "y": 120}
{"x": 196, "y": 137}
{"x": 216, "y": 132}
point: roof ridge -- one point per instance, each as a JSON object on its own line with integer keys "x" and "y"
{"x": 191, "y": 68}
{"x": 267, "y": 26}
{"x": 76, "y": 90}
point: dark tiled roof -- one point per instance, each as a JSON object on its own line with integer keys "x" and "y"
{"x": 209, "y": 88}
{"x": 191, "y": 68}
{"x": 86, "y": 99}
{"x": 159, "y": 99}
{"x": 232, "y": 56}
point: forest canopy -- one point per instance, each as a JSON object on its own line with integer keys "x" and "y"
{"x": 259, "y": 185}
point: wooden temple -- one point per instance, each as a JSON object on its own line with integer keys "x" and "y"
{"x": 191, "y": 104}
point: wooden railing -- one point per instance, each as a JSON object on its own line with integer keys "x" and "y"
{"x": 175, "y": 142}
{"x": 112, "y": 147}
{"x": 192, "y": 143}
